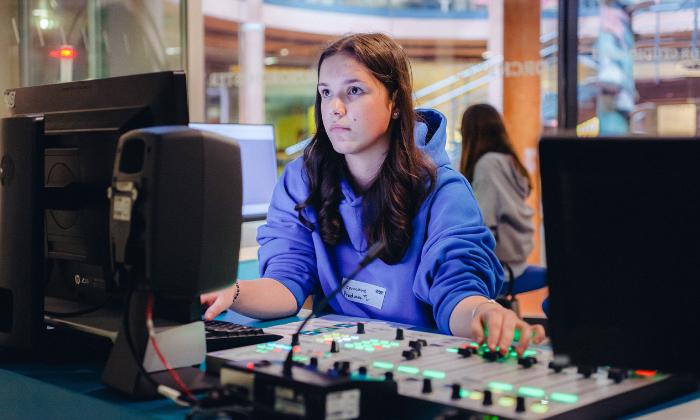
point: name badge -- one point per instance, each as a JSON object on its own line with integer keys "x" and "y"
{"x": 365, "y": 293}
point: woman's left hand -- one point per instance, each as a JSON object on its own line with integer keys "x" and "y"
{"x": 501, "y": 325}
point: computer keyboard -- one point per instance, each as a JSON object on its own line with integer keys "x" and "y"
{"x": 223, "y": 335}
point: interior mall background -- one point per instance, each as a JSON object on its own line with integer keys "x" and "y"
{"x": 254, "y": 61}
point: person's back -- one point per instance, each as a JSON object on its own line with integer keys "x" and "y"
{"x": 501, "y": 186}
{"x": 500, "y": 191}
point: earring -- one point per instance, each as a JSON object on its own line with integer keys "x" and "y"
{"x": 396, "y": 114}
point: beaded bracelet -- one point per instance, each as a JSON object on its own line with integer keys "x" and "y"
{"x": 238, "y": 292}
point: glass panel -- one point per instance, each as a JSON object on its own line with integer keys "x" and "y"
{"x": 637, "y": 68}
{"x": 449, "y": 52}
{"x": 66, "y": 40}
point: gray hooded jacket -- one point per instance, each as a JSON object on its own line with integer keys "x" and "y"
{"x": 500, "y": 191}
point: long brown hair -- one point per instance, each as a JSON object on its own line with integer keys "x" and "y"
{"x": 483, "y": 131}
{"x": 407, "y": 175}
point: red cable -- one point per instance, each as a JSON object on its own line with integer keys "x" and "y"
{"x": 184, "y": 388}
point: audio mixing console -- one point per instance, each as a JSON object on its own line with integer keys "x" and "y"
{"x": 354, "y": 368}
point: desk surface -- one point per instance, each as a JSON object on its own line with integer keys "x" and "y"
{"x": 34, "y": 390}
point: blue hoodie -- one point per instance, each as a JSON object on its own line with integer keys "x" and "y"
{"x": 453, "y": 261}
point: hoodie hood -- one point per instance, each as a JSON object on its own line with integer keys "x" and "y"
{"x": 494, "y": 163}
{"x": 520, "y": 183}
{"x": 431, "y": 135}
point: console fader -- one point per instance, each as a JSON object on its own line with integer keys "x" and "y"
{"x": 353, "y": 369}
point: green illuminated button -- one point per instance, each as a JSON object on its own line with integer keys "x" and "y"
{"x": 394, "y": 344}
{"x": 369, "y": 349}
{"x": 501, "y": 386}
{"x": 349, "y": 346}
{"x": 452, "y": 350}
{"x": 563, "y": 397}
{"x": 383, "y": 365}
{"x": 408, "y": 369}
{"x": 435, "y": 374}
{"x": 528, "y": 391}
{"x": 300, "y": 358}
{"x": 464, "y": 393}
{"x": 538, "y": 408}
{"x": 529, "y": 353}
{"x": 506, "y": 401}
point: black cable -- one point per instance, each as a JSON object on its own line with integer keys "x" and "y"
{"x": 127, "y": 331}
{"x": 84, "y": 311}
{"x": 371, "y": 255}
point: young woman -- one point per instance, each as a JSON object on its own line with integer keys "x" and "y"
{"x": 501, "y": 184}
{"x": 377, "y": 170}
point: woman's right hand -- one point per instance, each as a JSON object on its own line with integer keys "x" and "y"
{"x": 217, "y": 302}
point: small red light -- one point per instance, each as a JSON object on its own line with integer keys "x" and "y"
{"x": 250, "y": 366}
{"x": 66, "y": 52}
{"x": 645, "y": 372}
{"x": 296, "y": 348}
{"x": 54, "y": 53}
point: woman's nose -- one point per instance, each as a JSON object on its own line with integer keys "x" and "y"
{"x": 337, "y": 107}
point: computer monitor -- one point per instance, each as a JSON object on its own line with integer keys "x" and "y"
{"x": 68, "y": 134}
{"x": 622, "y": 242}
{"x": 258, "y": 160}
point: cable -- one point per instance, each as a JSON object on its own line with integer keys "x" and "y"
{"x": 127, "y": 334}
{"x": 371, "y": 255}
{"x": 84, "y": 311}
{"x": 152, "y": 335}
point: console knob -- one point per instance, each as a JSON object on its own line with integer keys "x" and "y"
{"x": 410, "y": 354}
{"x": 295, "y": 339}
{"x": 399, "y": 334}
{"x": 587, "y": 370}
{"x": 360, "y": 328}
{"x": 520, "y": 404}
{"x": 488, "y": 398}
{"x": 427, "y": 386}
{"x": 313, "y": 361}
{"x": 415, "y": 344}
{"x": 389, "y": 376}
{"x": 617, "y": 374}
{"x": 465, "y": 352}
{"x": 526, "y": 362}
{"x": 456, "y": 391}
{"x": 557, "y": 368}
{"x": 334, "y": 347}
{"x": 491, "y": 356}
{"x": 363, "y": 370}
{"x": 344, "y": 369}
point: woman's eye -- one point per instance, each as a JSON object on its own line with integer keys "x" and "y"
{"x": 325, "y": 93}
{"x": 355, "y": 90}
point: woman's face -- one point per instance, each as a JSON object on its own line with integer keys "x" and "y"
{"x": 355, "y": 108}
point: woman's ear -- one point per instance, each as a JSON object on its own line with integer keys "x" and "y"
{"x": 395, "y": 113}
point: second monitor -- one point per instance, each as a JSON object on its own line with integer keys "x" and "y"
{"x": 258, "y": 163}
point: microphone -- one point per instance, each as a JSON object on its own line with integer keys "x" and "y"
{"x": 371, "y": 255}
